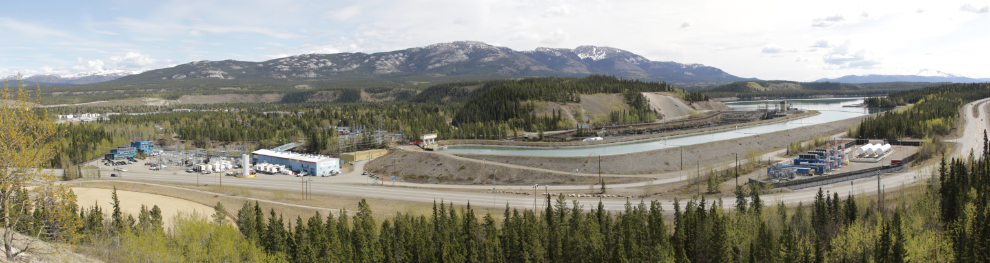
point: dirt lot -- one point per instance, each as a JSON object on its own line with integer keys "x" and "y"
{"x": 669, "y": 159}
{"x": 130, "y": 203}
{"x": 426, "y": 167}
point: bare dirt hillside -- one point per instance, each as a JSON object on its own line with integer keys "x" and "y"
{"x": 710, "y": 105}
{"x": 673, "y": 107}
{"x": 590, "y": 107}
{"x": 668, "y": 105}
{"x": 44, "y": 251}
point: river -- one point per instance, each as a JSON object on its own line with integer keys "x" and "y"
{"x": 831, "y": 110}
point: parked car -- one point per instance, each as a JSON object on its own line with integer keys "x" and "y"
{"x": 189, "y": 170}
{"x": 365, "y": 172}
{"x": 148, "y": 163}
{"x": 113, "y": 175}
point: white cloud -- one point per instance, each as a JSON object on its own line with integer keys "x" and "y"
{"x": 195, "y": 33}
{"x": 556, "y": 11}
{"x": 846, "y": 57}
{"x": 685, "y": 25}
{"x": 132, "y": 61}
{"x": 827, "y": 21}
{"x": 970, "y": 8}
{"x": 864, "y": 14}
{"x": 281, "y": 52}
{"x": 774, "y": 49}
{"x": 920, "y": 10}
{"x": 524, "y": 36}
{"x": 556, "y": 37}
{"x": 821, "y": 44}
{"x": 801, "y": 59}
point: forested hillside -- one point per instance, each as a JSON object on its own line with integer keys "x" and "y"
{"x": 933, "y": 114}
{"x": 778, "y": 88}
{"x": 512, "y": 101}
{"x": 936, "y": 222}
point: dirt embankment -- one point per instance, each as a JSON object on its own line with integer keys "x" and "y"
{"x": 669, "y": 106}
{"x": 670, "y": 159}
{"x": 673, "y": 107}
{"x": 426, "y": 167}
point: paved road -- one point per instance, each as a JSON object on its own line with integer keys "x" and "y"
{"x": 350, "y": 184}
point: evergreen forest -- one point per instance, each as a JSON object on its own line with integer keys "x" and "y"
{"x": 944, "y": 219}
{"x": 934, "y": 111}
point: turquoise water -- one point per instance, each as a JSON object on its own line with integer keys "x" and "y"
{"x": 831, "y": 110}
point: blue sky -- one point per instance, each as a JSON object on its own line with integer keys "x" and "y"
{"x": 793, "y": 40}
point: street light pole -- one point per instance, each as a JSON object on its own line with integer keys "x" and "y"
{"x": 535, "y": 187}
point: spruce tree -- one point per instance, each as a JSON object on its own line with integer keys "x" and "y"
{"x": 246, "y": 221}
{"x": 117, "y": 218}
{"x": 741, "y": 199}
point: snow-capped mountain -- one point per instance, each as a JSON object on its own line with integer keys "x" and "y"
{"x": 460, "y": 58}
{"x": 936, "y": 73}
{"x": 924, "y": 75}
{"x": 76, "y": 78}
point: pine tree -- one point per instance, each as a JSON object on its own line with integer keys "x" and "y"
{"x": 220, "y": 214}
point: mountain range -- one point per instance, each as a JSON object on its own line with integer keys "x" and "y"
{"x": 74, "y": 79}
{"x": 924, "y": 75}
{"x": 455, "y": 59}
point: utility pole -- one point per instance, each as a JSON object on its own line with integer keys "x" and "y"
{"x": 302, "y": 188}
{"x": 494, "y": 197}
{"x": 600, "y": 179}
{"x": 698, "y": 162}
{"x": 737, "y": 170}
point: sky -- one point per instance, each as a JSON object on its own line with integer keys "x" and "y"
{"x": 774, "y": 40}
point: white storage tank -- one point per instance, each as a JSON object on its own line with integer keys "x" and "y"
{"x": 883, "y": 149}
{"x": 862, "y": 150}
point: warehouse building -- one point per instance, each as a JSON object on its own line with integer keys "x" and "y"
{"x": 318, "y": 165}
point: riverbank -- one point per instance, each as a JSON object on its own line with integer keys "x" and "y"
{"x": 626, "y": 139}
